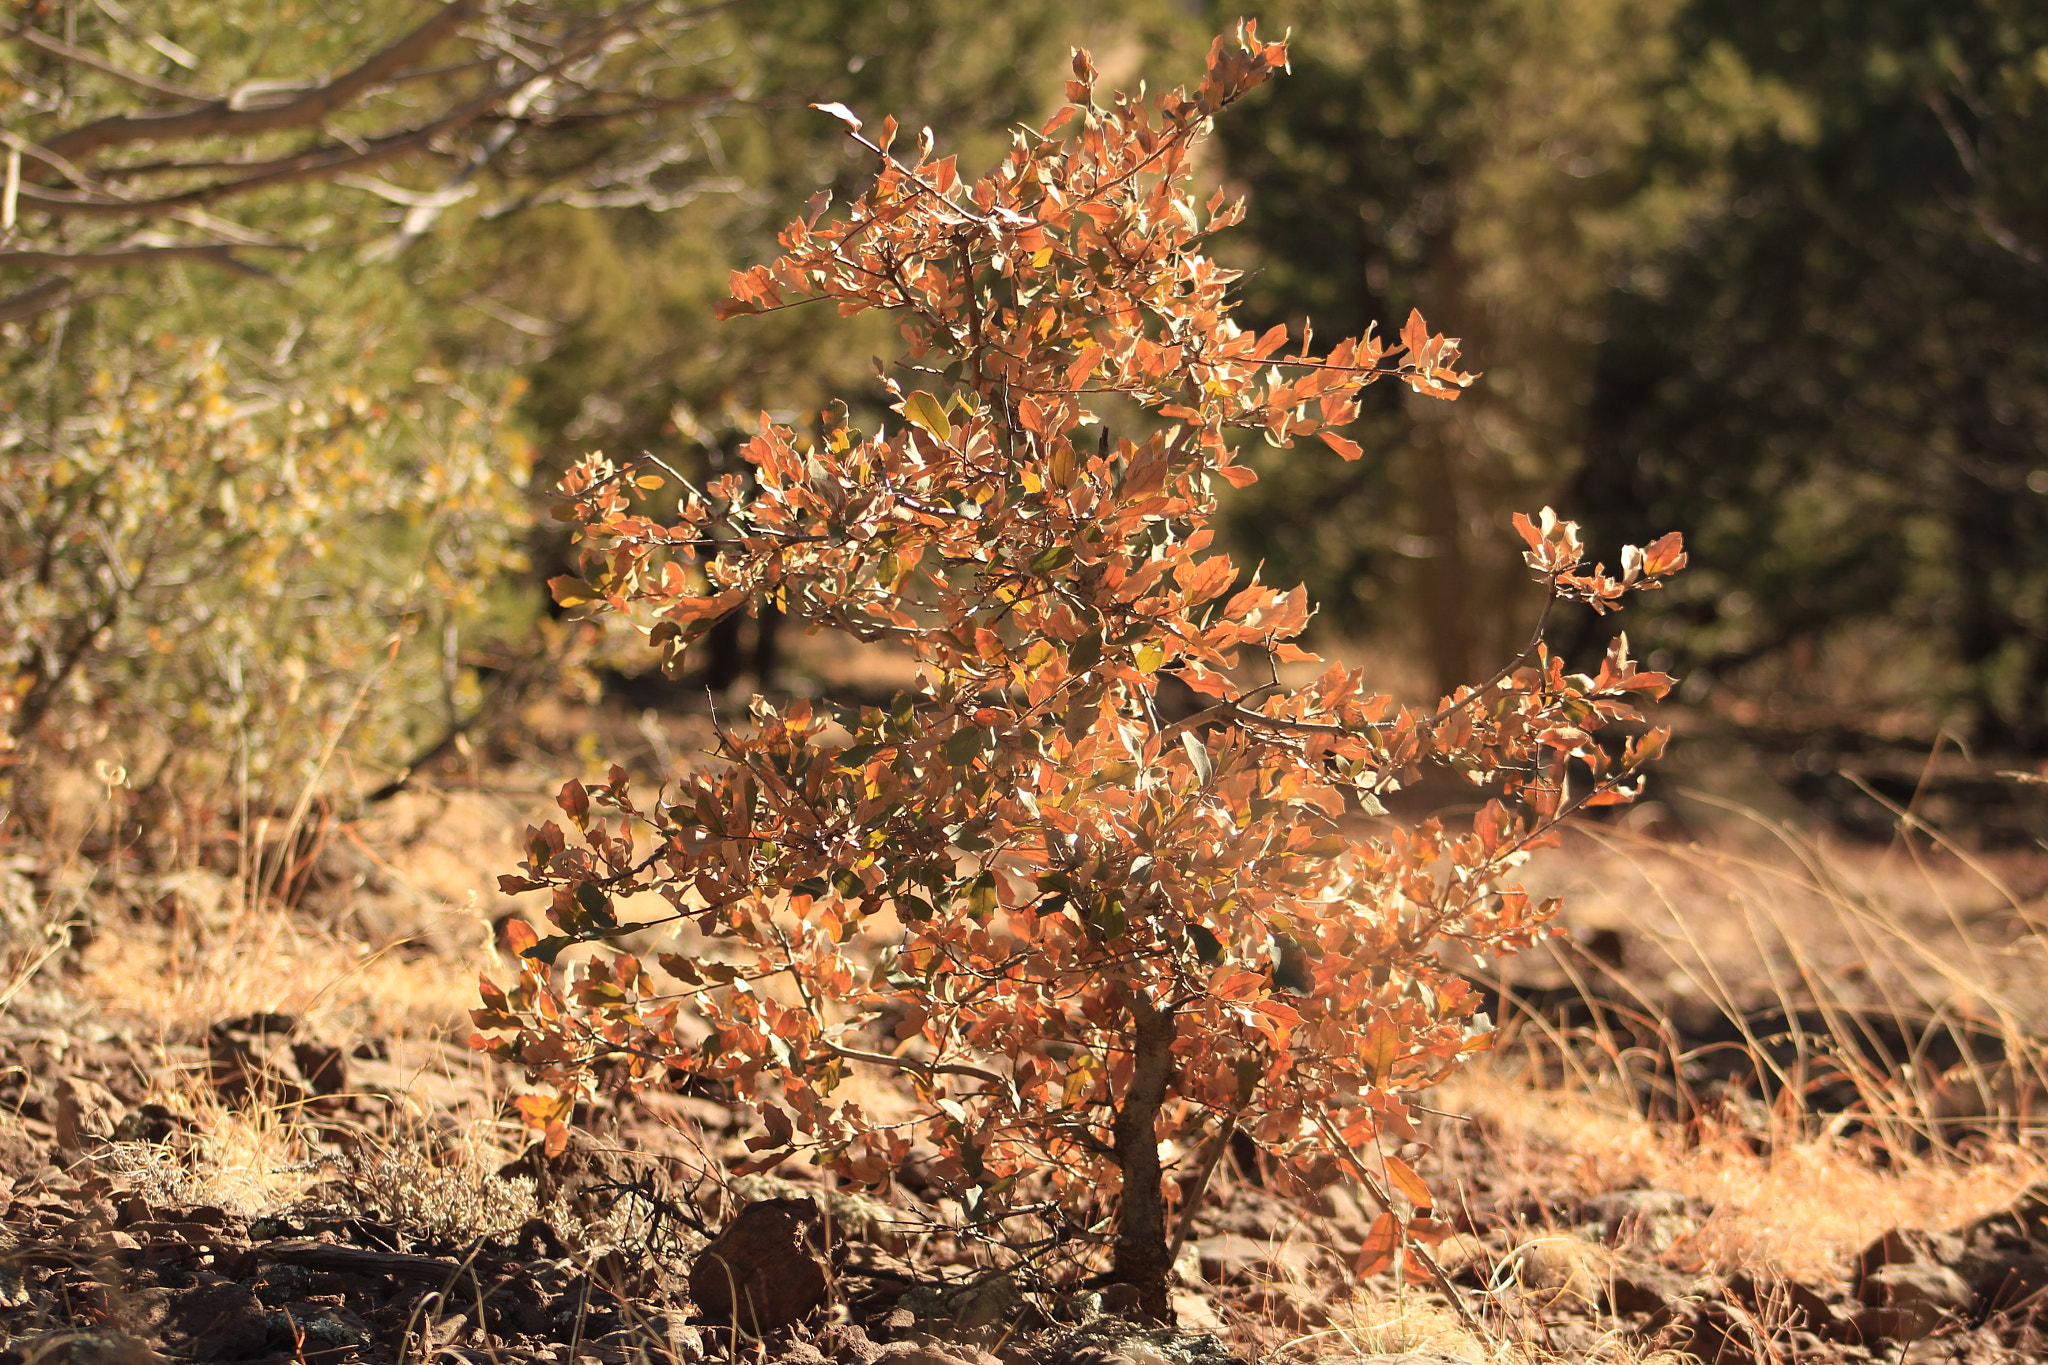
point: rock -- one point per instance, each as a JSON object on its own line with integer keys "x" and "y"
{"x": 1193, "y": 1313}
{"x": 1115, "y": 1341}
{"x": 850, "y": 1216}
{"x": 1648, "y": 1221}
{"x": 1905, "y": 1302}
{"x": 1560, "y": 1269}
{"x": 1639, "y": 1287}
{"x": 968, "y": 1307}
{"x": 1233, "y": 1256}
{"x": 847, "y": 1344}
{"x": 1290, "y": 1307}
{"x": 2005, "y": 1254}
{"x": 83, "y": 1348}
{"x": 152, "y": 1123}
{"x": 1722, "y": 1334}
{"x": 319, "y": 1329}
{"x": 1345, "y": 1213}
{"x": 923, "y": 1353}
{"x": 764, "y": 1271}
{"x": 2021, "y": 1227}
{"x": 1468, "y": 1259}
{"x": 1907, "y": 1246}
{"x": 86, "y": 1113}
{"x": 261, "y": 1056}
{"x": 1797, "y": 1307}
{"x": 218, "y": 1322}
{"x": 2003, "y": 1281}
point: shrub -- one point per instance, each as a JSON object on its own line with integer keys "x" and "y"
{"x": 1119, "y": 926}
{"x": 207, "y": 567}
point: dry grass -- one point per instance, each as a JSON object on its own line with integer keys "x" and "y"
{"x": 247, "y": 1159}
{"x": 1929, "y": 937}
{"x": 1799, "y": 1206}
{"x": 174, "y": 981}
{"x": 1392, "y": 1324}
{"x": 1924, "y": 932}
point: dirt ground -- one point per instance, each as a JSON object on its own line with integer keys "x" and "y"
{"x": 1774, "y": 1098}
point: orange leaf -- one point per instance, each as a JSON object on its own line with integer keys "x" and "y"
{"x": 1350, "y": 450}
{"x": 1415, "y": 336}
{"x": 1377, "y": 1253}
{"x": 1205, "y": 580}
{"x": 1404, "y": 1179}
{"x": 519, "y": 936}
{"x": 1665, "y": 555}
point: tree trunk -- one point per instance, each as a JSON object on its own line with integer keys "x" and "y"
{"x": 1141, "y": 1254}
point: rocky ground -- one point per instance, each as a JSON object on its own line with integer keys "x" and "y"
{"x": 398, "y": 1245}
{"x": 240, "y": 1135}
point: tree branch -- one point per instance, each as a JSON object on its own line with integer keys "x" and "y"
{"x": 225, "y": 116}
{"x": 57, "y": 47}
{"x": 220, "y": 252}
{"x": 35, "y": 299}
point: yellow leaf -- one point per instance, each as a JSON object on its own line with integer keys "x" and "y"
{"x": 1062, "y": 466}
{"x": 926, "y": 411}
{"x": 1380, "y": 1051}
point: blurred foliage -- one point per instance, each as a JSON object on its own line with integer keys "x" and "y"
{"x": 1767, "y": 273}
{"x": 1490, "y": 162}
{"x": 1837, "y": 384}
{"x": 208, "y": 562}
{"x": 263, "y": 496}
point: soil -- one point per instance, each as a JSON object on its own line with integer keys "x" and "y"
{"x": 106, "y": 1261}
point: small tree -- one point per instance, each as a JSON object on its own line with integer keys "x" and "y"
{"x": 1119, "y": 927}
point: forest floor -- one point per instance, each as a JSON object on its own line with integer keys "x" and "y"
{"x": 1774, "y": 1099}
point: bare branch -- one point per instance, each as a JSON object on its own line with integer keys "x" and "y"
{"x": 57, "y": 47}
{"x": 35, "y": 299}
{"x": 222, "y": 116}
{"x": 219, "y": 252}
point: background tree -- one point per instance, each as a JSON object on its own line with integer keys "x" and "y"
{"x": 1491, "y": 161}
{"x": 1838, "y": 384}
{"x": 390, "y": 258}
{"x": 1119, "y": 928}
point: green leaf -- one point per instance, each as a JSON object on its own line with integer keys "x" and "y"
{"x": 548, "y": 949}
{"x": 1381, "y": 1048}
{"x": 597, "y": 905}
{"x": 965, "y": 745}
{"x": 573, "y": 592}
{"x": 926, "y": 411}
{"x": 1051, "y": 559}
{"x": 1249, "y": 1074}
{"x": 1107, "y": 920}
{"x": 1086, "y": 654}
{"x": 1208, "y": 947}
